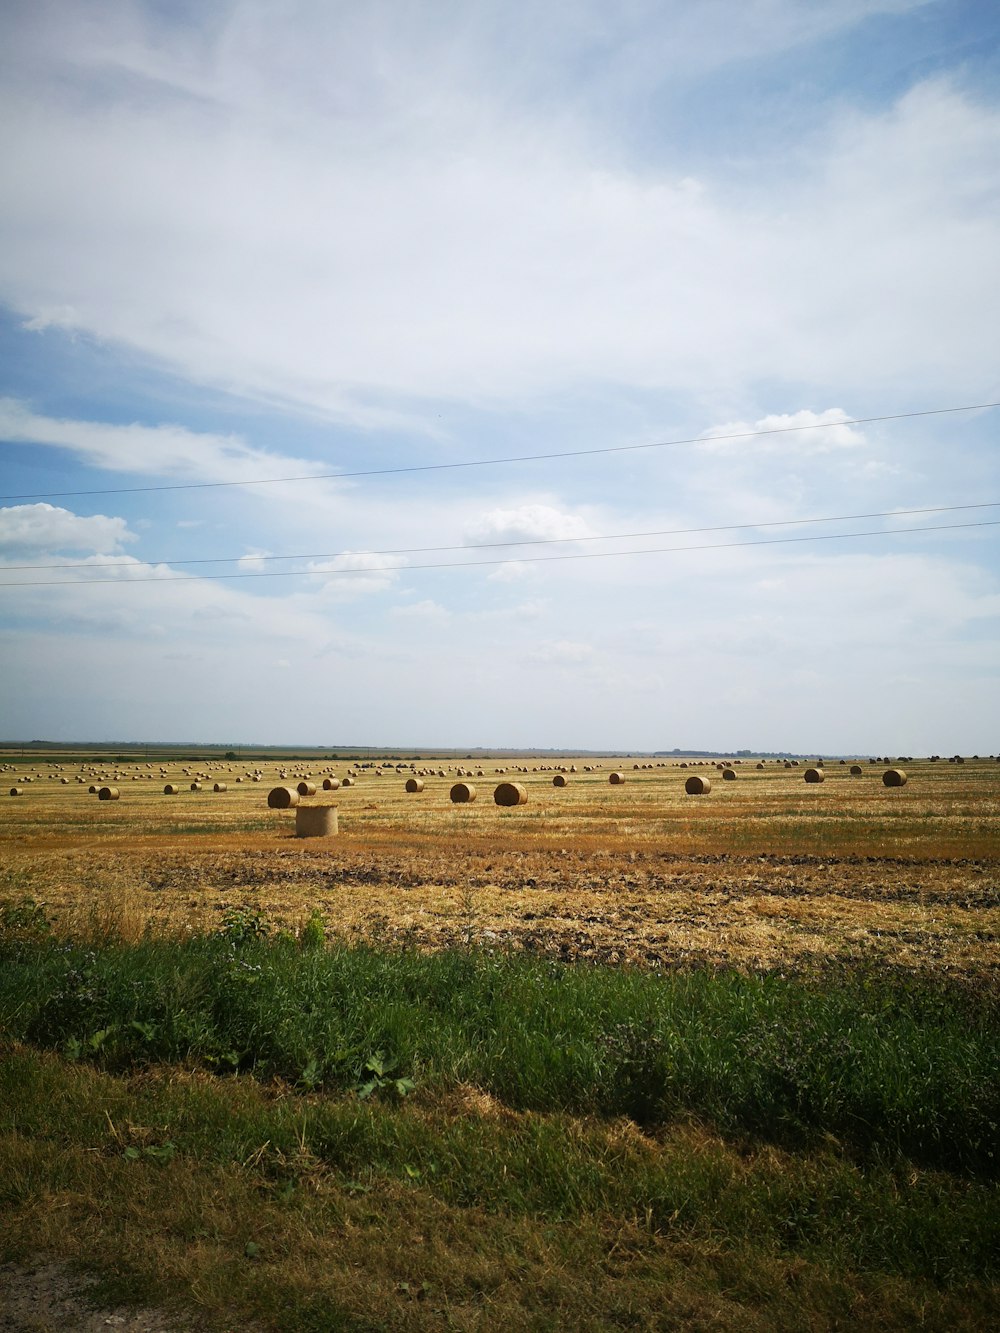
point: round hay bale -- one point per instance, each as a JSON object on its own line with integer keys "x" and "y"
{"x": 306, "y": 788}
{"x": 17, "y": 791}
{"x": 171, "y": 789}
{"x": 510, "y": 793}
{"x": 414, "y": 784}
{"x": 221, "y": 786}
{"x": 760, "y": 765}
{"x": 729, "y": 775}
{"x": 814, "y": 775}
{"x": 331, "y": 784}
{"x": 108, "y": 794}
{"x": 616, "y": 779}
{"x": 462, "y": 793}
{"x": 315, "y": 821}
{"x": 855, "y": 770}
{"x": 282, "y": 798}
{"x": 559, "y": 780}
{"x": 195, "y": 786}
{"x": 92, "y": 790}
{"x": 64, "y": 781}
{"x": 696, "y": 785}
{"x": 348, "y": 782}
{"x": 893, "y": 777}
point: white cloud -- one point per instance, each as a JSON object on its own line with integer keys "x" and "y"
{"x": 427, "y": 610}
{"x": 55, "y": 317}
{"x": 561, "y": 652}
{"x": 502, "y": 222}
{"x": 255, "y": 562}
{"x": 356, "y": 574}
{"x": 511, "y": 571}
{"x": 403, "y": 229}
{"x": 798, "y": 433}
{"x": 530, "y": 522}
{"x": 160, "y": 451}
{"x": 32, "y": 529}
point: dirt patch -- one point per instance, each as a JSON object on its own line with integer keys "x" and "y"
{"x": 46, "y": 1296}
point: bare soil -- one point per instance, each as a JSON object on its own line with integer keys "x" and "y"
{"x": 46, "y": 1296}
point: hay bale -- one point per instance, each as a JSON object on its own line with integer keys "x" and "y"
{"x": 282, "y": 798}
{"x": 92, "y": 790}
{"x": 760, "y": 766}
{"x": 195, "y": 786}
{"x": 462, "y": 793}
{"x": 616, "y": 779}
{"x": 331, "y": 784}
{"x": 855, "y": 770}
{"x": 315, "y": 821}
{"x": 729, "y": 775}
{"x": 348, "y": 782}
{"x": 510, "y": 793}
{"x": 814, "y": 775}
{"x": 893, "y": 777}
{"x": 696, "y": 785}
{"x": 414, "y": 784}
{"x": 108, "y": 794}
{"x": 559, "y": 780}
{"x": 306, "y": 788}
{"x": 220, "y": 786}
{"x": 171, "y": 789}
{"x": 17, "y": 791}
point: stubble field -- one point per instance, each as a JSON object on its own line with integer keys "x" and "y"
{"x": 618, "y": 1057}
{"x": 762, "y": 872}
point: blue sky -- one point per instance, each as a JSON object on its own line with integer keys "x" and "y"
{"x": 246, "y": 241}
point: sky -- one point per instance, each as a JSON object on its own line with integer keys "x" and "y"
{"x": 566, "y": 321}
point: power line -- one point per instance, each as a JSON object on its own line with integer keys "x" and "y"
{"x": 527, "y": 541}
{"x": 469, "y": 564}
{"x": 495, "y": 462}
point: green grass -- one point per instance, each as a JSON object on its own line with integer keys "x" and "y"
{"x": 888, "y": 1066}
{"x": 315, "y": 1136}
{"x": 685, "y": 1182}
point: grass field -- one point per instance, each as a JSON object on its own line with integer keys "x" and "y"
{"x": 618, "y": 1057}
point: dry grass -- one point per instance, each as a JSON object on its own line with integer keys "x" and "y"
{"x": 761, "y": 873}
{"x": 766, "y": 872}
{"x": 283, "y": 1240}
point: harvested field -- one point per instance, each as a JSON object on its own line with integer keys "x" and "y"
{"x": 230, "y": 1112}
{"x": 761, "y": 873}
